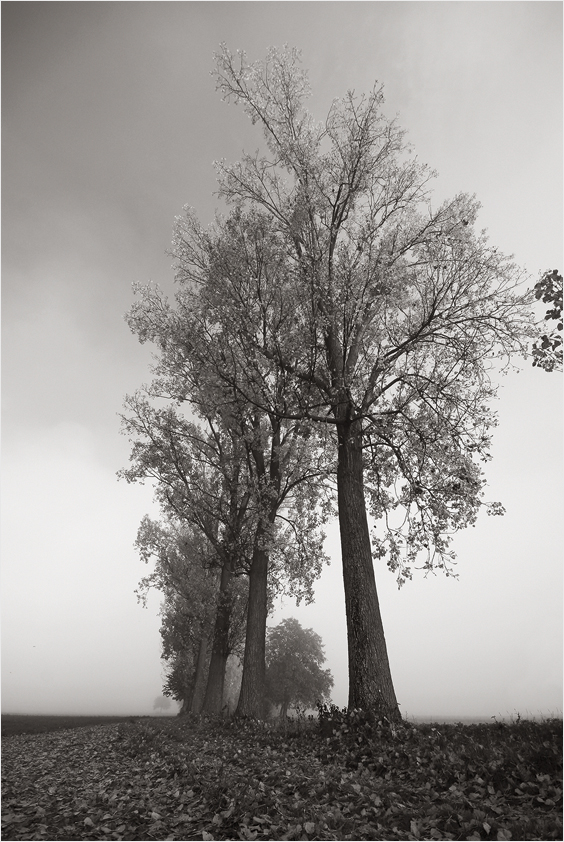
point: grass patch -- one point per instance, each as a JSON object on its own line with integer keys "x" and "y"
{"x": 342, "y": 777}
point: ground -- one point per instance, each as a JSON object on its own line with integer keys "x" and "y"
{"x": 342, "y": 777}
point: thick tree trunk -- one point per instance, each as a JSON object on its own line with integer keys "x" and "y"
{"x": 370, "y": 679}
{"x": 200, "y": 678}
{"x": 251, "y": 698}
{"x": 220, "y": 651}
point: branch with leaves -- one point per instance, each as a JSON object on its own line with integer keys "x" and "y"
{"x": 547, "y": 350}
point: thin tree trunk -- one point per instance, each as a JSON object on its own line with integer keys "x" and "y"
{"x": 216, "y": 677}
{"x": 186, "y": 705}
{"x": 251, "y": 698}
{"x": 370, "y": 679}
{"x": 189, "y": 684}
{"x": 201, "y": 670}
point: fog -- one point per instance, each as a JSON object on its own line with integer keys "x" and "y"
{"x": 111, "y": 124}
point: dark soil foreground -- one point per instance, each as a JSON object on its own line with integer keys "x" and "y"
{"x": 346, "y": 777}
{"x": 16, "y": 723}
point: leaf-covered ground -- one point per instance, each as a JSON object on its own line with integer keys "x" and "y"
{"x": 346, "y": 778}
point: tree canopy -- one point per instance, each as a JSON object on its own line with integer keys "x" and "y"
{"x": 335, "y": 298}
{"x": 293, "y": 667}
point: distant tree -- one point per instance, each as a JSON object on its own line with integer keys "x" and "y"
{"x": 249, "y": 483}
{"x": 293, "y": 667}
{"x": 186, "y": 649}
{"x": 190, "y": 590}
{"x": 162, "y": 703}
{"x": 548, "y": 354}
{"x": 199, "y": 484}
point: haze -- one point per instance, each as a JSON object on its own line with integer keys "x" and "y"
{"x": 111, "y": 124}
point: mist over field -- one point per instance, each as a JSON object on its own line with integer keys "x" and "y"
{"x": 111, "y": 125}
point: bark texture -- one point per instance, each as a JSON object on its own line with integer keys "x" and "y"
{"x": 251, "y": 698}
{"x": 190, "y": 684}
{"x": 370, "y": 679}
{"x": 213, "y": 699}
{"x": 201, "y": 671}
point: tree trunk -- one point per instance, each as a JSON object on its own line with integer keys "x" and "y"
{"x": 201, "y": 670}
{"x": 189, "y": 683}
{"x": 251, "y": 698}
{"x": 370, "y": 679}
{"x": 186, "y": 705}
{"x": 216, "y": 677}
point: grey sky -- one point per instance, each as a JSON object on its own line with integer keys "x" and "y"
{"x": 110, "y": 126}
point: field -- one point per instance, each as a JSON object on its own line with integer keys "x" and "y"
{"x": 13, "y": 723}
{"x": 342, "y": 777}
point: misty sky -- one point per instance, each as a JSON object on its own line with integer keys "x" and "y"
{"x": 110, "y": 126}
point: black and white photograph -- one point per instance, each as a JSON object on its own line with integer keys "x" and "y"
{"x": 282, "y": 475}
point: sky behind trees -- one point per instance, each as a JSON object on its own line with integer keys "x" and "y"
{"x": 111, "y": 124}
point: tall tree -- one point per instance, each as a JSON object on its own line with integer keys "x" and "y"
{"x": 200, "y": 484}
{"x": 334, "y": 277}
{"x": 249, "y": 491}
{"x": 294, "y": 676}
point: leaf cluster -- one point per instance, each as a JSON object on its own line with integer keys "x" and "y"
{"x": 548, "y": 354}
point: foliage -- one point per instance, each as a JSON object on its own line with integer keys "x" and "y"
{"x": 189, "y": 584}
{"x": 161, "y": 703}
{"x": 198, "y": 478}
{"x": 548, "y": 354}
{"x": 187, "y": 780}
{"x": 293, "y": 667}
{"x": 377, "y": 307}
{"x": 249, "y": 483}
{"x": 241, "y": 472}
{"x": 335, "y": 310}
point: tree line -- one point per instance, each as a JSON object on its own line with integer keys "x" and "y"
{"x": 331, "y": 350}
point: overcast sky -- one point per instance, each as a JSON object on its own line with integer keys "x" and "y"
{"x": 110, "y": 125}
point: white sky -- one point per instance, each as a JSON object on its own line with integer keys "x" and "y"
{"x": 110, "y": 126}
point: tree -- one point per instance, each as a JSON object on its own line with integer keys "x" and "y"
{"x": 187, "y": 649}
{"x": 293, "y": 667}
{"x": 246, "y": 486}
{"x": 161, "y": 703}
{"x": 190, "y": 591}
{"x": 334, "y": 278}
{"x": 200, "y": 483}
{"x": 232, "y": 688}
{"x": 548, "y": 354}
